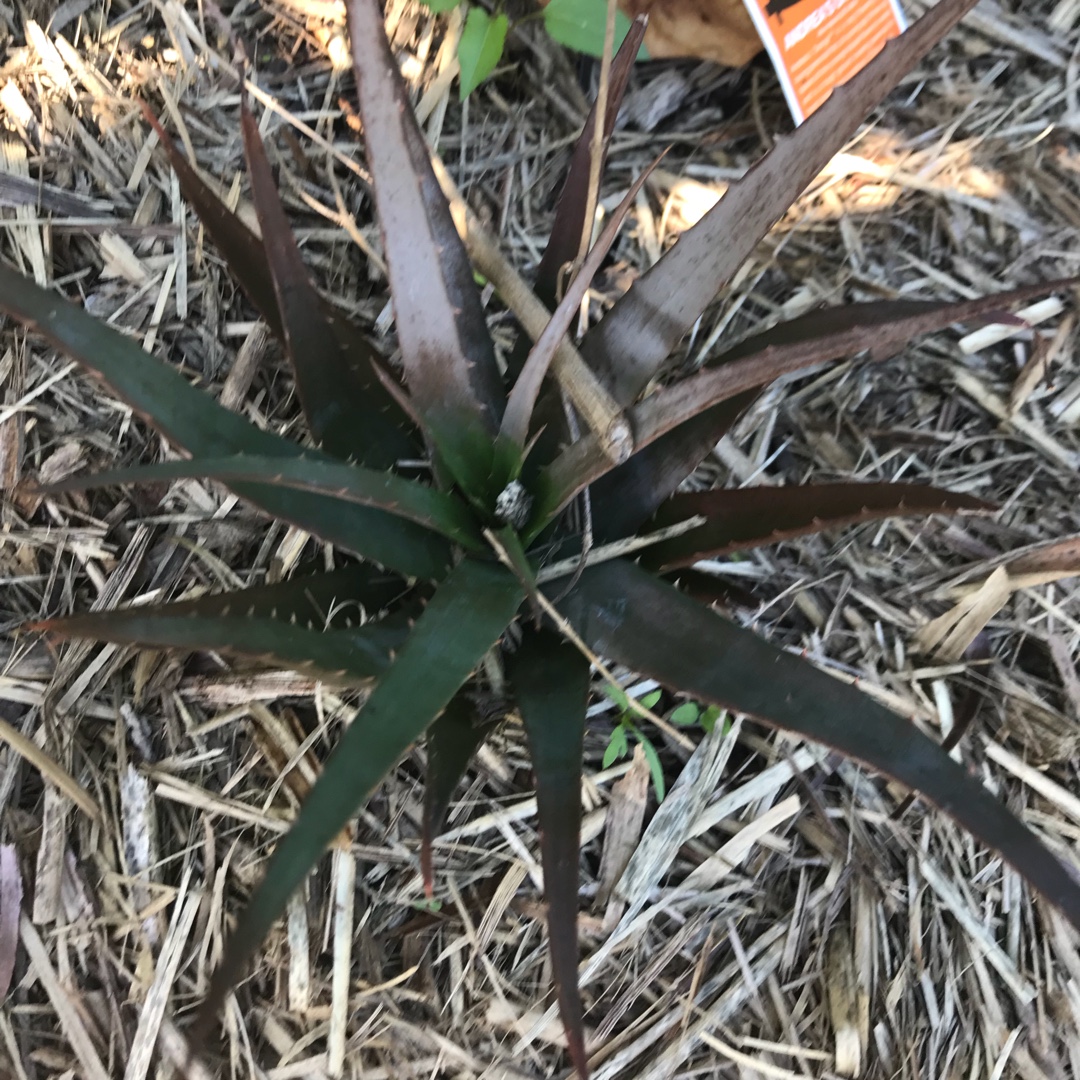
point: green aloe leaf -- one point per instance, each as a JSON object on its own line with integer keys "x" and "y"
{"x": 452, "y": 740}
{"x": 742, "y": 518}
{"x": 624, "y": 498}
{"x": 462, "y": 621}
{"x": 343, "y": 656}
{"x": 310, "y": 622}
{"x": 447, "y": 353}
{"x": 439, "y": 6}
{"x": 480, "y": 47}
{"x": 350, "y": 484}
{"x": 551, "y": 686}
{"x": 196, "y": 422}
{"x": 322, "y": 599}
{"x": 628, "y": 347}
{"x": 879, "y": 328}
{"x": 626, "y": 614}
{"x": 579, "y": 24}
{"x": 374, "y": 430}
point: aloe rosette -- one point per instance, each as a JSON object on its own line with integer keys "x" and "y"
{"x": 487, "y": 556}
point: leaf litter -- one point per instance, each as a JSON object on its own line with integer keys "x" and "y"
{"x": 725, "y": 959}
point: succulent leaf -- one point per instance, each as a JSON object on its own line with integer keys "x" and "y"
{"x": 447, "y": 353}
{"x": 452, "y": 740}
{"x": 628, "y": 347}
{"x": 329, "y": 599}
{"x": 551, "y": 685}
{"x": 351, "y": 484}
{"x": 625, "y": 498}
{"x": 741, "y": 518}
{"x": 194, "y": 421}
{"x": 343, "y": 656}
{"x": 375, "y": 431}
{"x": 625, "y": 613}
{"x": 879, "y": 328}
{"x": 461, "y": 622}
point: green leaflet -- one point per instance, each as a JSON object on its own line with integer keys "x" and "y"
{"x": 480, "y": 47}
{"x": 579, "y": 24}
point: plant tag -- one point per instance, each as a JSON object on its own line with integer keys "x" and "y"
{"x": 816, "y": 45}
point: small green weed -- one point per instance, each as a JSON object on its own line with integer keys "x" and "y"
{"x": 689, "y": 714}
{"x": 577, "y": 24}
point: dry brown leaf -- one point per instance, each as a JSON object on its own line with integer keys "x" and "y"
{"x": 11, "y": 893}
{"x": 717, "y": 30}
{"x": 842, "y": 995}
{"x": 622, "y": 829}
{"x": 949, "y": 635}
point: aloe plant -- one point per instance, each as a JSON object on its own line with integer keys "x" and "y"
{"x": 487, "y": 560}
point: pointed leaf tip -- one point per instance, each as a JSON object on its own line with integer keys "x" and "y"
{"x": 375, "y": 430}
{"x": 446, "y": 350}
{"x": 737, "y": 519}
{"x": 451, "y": 742}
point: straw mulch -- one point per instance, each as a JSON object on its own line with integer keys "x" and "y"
{"x": 774, "y": 919}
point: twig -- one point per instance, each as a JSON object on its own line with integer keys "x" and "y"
{"x": 596, "y": 151}
{"x": 617, "y": 548}
{"x": 596, "y": 406}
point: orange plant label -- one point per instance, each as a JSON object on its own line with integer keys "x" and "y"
{"x": 816, "y": 45}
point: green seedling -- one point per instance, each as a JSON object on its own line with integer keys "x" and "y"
{"x": 626, "y": 728}
{"x": 577, "y": 24}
